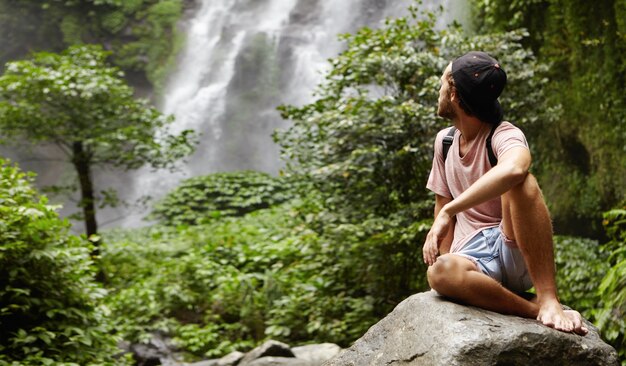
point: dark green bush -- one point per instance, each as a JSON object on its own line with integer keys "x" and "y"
{"x": 611, "y": 317}
{"x": 592, "y": 278}
{"x": 50, "y": 307}
{"x": 581, "y": 264}
{"x": 234, "y": 282}
{"x": 203, "y": 199}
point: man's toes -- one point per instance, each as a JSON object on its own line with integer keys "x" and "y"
{"x": 566, "y": 325}
{"x": 549, "y": 320}
{"x": 581, "y": 330}
{"x": 546, "y": 321}
{"x": 560, "y": 324}
{"x": 577, "y": 321}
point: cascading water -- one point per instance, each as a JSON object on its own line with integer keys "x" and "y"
{"x": 242, "y": 59}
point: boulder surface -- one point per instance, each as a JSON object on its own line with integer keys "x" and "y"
{"x": 274, "y": 353}
{"x": 426, "y": 329}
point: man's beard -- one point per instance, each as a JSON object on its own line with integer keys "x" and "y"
{"x": 446, "y": 110}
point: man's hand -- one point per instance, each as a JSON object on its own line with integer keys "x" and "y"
{"x": 435, "y": 236}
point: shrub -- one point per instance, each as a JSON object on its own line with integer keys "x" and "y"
{"x": 611, "y": 316}
{"x": 202, "y": 199}
{"x": 592, "y": 278}
{"x": 50, "y": 306}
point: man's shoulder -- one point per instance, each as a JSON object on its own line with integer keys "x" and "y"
{"x": 507, "y": 135}
{"x": 507, "y": 126}
{"x": 443, "y": 132}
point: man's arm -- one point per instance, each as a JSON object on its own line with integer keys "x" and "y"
{"x": 511, "y": 170}
{"x": 439, "y": 245}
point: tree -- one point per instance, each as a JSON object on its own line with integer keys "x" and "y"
{"x": 77, "y": 102}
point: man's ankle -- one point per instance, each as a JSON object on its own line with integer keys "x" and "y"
{"x": 547, "y": 300}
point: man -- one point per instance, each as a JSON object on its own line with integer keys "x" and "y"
{"x": 492, "y": 227}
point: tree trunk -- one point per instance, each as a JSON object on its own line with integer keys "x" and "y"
{"x": 82, "y": 163}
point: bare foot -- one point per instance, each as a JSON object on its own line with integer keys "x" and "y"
{"x": 577, "y": 320}
{"x": 551, "y": 314}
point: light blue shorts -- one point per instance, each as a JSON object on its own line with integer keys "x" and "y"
{"x": 499, "y": 258}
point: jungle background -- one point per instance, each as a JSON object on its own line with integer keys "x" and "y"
{"x": 326, "y": 248}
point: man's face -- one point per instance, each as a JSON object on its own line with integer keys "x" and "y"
{"x": 445, "y": 107}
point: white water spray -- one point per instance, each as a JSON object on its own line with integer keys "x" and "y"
{"x": 239, "y": 51}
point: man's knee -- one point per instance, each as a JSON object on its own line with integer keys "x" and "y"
{"x": 445, "y": 274}
{"x": 527, "y": 189}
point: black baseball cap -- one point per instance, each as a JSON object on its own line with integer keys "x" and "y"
{"x": 479, "y": 80}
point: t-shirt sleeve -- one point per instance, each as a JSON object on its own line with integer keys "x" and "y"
{"x": 506, "y": 137}
{"x": 437, "y": 180}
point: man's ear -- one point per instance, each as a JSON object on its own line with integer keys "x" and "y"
{"x": 454, "y": 97}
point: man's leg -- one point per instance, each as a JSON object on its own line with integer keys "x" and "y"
{"x": 458, "y": 278}
{"x": 527, "y": 220}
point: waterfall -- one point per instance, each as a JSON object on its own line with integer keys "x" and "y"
{"x": 243, "y": 58}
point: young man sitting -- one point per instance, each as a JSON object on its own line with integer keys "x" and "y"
{"x": 492, "y": 227}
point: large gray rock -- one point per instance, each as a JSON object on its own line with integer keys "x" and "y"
{"x": 280, "y": 361}
{"x": 428, "y": 330}
{"x": 267, "y": 349}
{"x": 159, "y": 350}
{"x": 316, "y": 353}
{"x": 230, "y": 359}
{"x": 274, "y": 353}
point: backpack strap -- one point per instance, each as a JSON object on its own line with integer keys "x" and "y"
{"x": 447, "y": 141}
{"x": 492, "y": 157}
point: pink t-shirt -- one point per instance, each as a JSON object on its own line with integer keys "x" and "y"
{"x": 453, "y": 177}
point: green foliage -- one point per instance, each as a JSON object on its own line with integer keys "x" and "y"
{"x": 612, "y": 316}
{"x": 75, "y": 101}
{"x": 224, "y": 277}
{"x": 592, "y": 278}
{"x": 75, "y": 96}
{"x": 51, "y": 309}
{"x": 582, "y": 152}
{"x": 142, "y": 34}
{"x": 155, "y": 41}
{"x": 581, "y": 265}
{"x": 202, "y": 199}
{"x": 231, "y": 283}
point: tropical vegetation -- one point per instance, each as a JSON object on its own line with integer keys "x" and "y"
{"x": 329, "y": 247}
{"x": 77, "y": 103}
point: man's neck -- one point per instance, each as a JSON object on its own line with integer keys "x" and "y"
{"x": 470, "y": 127}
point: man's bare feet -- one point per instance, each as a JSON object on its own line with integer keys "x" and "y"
{"x": 577, "y": 320}
{"x": 552, "y": 315}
